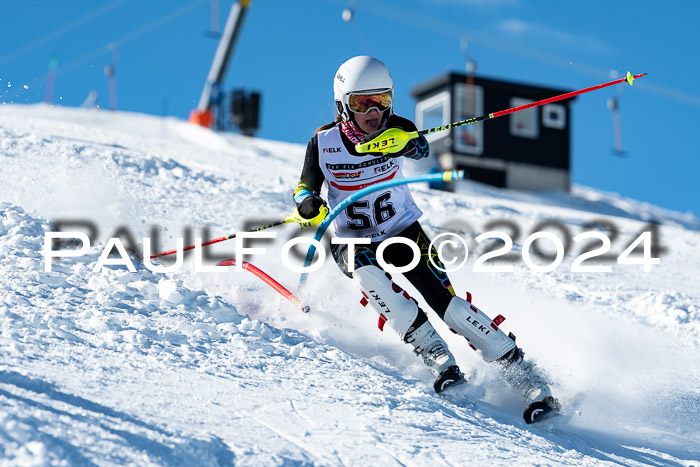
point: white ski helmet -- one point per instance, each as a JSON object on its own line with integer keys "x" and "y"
{"x": 360, "y": 75}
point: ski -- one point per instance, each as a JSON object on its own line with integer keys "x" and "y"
{"x": 538, "y": 411}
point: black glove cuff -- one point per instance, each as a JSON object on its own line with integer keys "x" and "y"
{"x": 309, "y": 206}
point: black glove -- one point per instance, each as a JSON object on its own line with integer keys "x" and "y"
{"x": 309, "y": 207}
{"x": 416, "y": 149}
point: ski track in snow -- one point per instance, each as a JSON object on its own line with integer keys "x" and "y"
{"x": 181, "y": 368}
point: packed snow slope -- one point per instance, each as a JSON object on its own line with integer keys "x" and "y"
{"x": 215, "y": 368}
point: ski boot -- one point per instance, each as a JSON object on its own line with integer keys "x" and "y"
{"x": 494, "y": 345}
{"x": 523, "y": 375}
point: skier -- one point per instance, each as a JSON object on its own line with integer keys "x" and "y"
{"x": 363, "y": 90}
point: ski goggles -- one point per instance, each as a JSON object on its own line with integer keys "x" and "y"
{"x": 363, "y": 103}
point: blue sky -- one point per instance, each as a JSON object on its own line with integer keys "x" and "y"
{"x": 289, "y": 51}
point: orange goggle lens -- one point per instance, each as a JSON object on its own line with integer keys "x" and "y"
{"x": 363, "y": 103}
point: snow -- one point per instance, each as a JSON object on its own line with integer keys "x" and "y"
{"x": 193, "y": 367}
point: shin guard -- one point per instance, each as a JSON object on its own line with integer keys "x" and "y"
{"x": 482, "y": 333}
{"x": 397, "y": 309}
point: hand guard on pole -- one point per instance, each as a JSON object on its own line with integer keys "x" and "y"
{"x": 401, "y": 144}
{"x": 391, "y": 141}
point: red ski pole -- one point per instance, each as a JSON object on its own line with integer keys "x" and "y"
{"x": 394, "y": 140}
